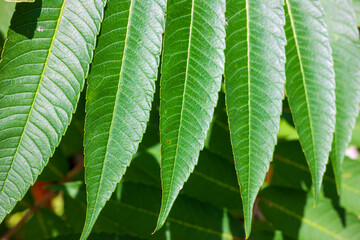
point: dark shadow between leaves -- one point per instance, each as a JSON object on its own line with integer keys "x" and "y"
{"x": 330, "y": 192}
{"x": 25, "y": 18}
{"x": 283, "y": 207}
{"x": 2, "y": 40}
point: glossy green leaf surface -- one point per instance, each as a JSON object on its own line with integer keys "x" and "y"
{"x": 42, "y": 73}
{"x": 310, "y": 82}
{"x": 292, "y": 212}
{"x": 192, "y": 68}
{"x": 254, "y": 80}
{"x": 344, "y": 39}
{"x": 119, "y": 95}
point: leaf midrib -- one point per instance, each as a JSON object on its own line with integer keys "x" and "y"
{"x": 306, "y": 97}
{"x": 249, "y": 102}
{"x": 113, "y": 114}
{"x": 36, "y": 94}
{"x": 182, "y": 108}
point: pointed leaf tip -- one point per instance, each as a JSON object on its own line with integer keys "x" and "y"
{"x": 119, "y": 96}
{"x": 191, "y": 79}
{"x": 253, "y": 109}
{"x": 311, "y": 93}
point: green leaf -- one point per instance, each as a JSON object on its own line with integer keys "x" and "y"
{"x": 20, "y": 1}
{"x": 310, "y": 83}
{"x": 41, "y": 76}
{"x": 120, "y": 90}
{"x": 254, "y": 81}
{"x": 350, "y": 192}
{"x": 138, "y": 205}
{"x": 344, "y": 39}
{"x": 356, "y": 7}
{"x": 95, "y": 236}
{"x": 290, "y": 171}
{"x": 355, "y": 138}
{"x": 56, "y": 169}
{"x": 219, "y": 129}
{"x": 44, "y": 224}
{"x": 193, "y": 64}
{"x": 213, "y": 181}
{"x": 293, "y": 213}
{"x": 6, "y": 11}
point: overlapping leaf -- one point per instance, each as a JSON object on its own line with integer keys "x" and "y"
{"x": 310, "y": 82}
{"x": 193, "y": 63}
{"x": 120, "y": 91}
{"x": 254, "y": 80}
{"x": 136, "y": 205}
{"x": 45, "y": 61}
{"x": 344, "y": 39}
{"x": 292, "y": 212}
{"x": 290, "y": 171}
{"x": 6, "y": 11}
{"x": 213, "y": 180}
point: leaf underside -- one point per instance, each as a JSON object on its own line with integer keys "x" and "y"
{"x": 310, "y": 83}
{"x": 119, "y": 95}
{"x": 344, "y": 36}
{"x": 42, "y": 73}
{"x": 254, "y": 80}
{"x": 193, "y": 64}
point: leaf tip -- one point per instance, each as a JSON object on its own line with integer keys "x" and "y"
{"x": 316, "y": 195}
{"x": 247, "y": 222}
{"x": 160, "y": 222}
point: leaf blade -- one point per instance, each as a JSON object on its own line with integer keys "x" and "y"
{"x": 292, "y": 212}
{"x": 306, "y": 33}
{"x": 120, "y": 90}
{"x": 254, "y": 98}
{"x": 37, "y": 99}
{"x": 197, "y": 38}
{"x": 344, "y": 36}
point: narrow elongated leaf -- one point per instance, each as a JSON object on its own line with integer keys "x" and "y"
{"x": 310, "y": 82}
{"x": 120, "y": 91}
{"x": 45, "y": 61}
{"x": 193, "y": 64}
{"x": 344, "y": 39}
{"x": 293, "y": 213}
{"x": 254, "y": 80}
